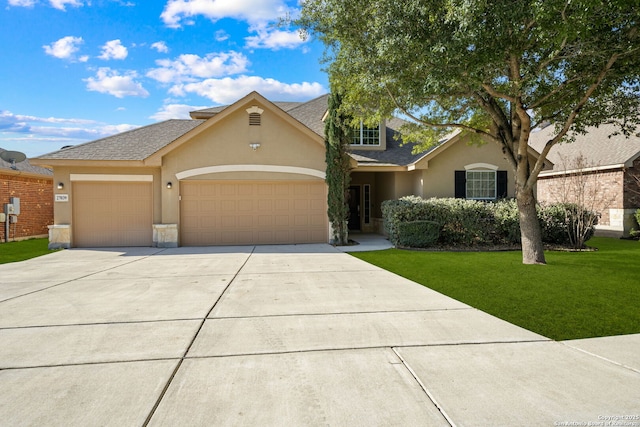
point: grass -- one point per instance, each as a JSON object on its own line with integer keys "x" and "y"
{"x": 22, "y": 250}
{"x": 576, "y": 295}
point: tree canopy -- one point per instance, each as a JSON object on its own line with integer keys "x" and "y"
{"x": 494, "y": 69}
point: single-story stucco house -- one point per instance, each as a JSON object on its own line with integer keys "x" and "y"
{"x": 32, "y": 187}
{"x": 609, "y": 164}
{"x": 249, "y": 173}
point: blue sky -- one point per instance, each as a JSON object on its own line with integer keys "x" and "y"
{"x": 77, "y": 70}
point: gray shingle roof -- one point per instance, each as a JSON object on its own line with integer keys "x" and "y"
{"x": 395, "y": 154}
{"x": 139, "y": 144}
{"x": 596, "y": 147}
{"x": 25, "y": 166}
{"x": 136, "y": 144}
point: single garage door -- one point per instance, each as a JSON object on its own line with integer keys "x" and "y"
{"x": 246, "y": 213}
{"x": 112, "y": 214}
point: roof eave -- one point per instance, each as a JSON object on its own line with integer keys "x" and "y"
{"x": 368, "y": 167}
{"x": 51, "y": 163}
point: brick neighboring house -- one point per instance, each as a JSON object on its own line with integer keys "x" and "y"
{"x": 610, "y": 164}
{"x": 34, "y": 186}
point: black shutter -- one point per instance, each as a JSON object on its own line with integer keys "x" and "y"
{"x": 501, "y": 181}
{"x": 461, "y": 185}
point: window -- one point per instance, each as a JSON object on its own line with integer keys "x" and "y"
{"x": 481, "y": 185}
{"x": 481, "y": 181}
{"x": 365, "y": 135}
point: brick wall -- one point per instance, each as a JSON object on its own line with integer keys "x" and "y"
{"x": 36, "y": 204}
{"x": 603, "y": 191}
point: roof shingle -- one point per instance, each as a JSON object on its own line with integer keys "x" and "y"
{"x": 136, "y": 144}
{"x": 597, "y": 148}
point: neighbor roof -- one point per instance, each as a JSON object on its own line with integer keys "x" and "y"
{"x": 25, "y": 166}
{"x": 136, "y": 144}
{"x": 598, "y": 148}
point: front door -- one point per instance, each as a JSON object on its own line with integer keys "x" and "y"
{"x": 354, "y": 208}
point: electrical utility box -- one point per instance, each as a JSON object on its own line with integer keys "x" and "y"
{"x": 3, "y": 217}
{"x": 8, "y": 208}
{"x": 15, "y": 201}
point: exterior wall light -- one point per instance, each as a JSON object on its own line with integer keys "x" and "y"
{"x": 254, "y": 145}
{"x": 60, "y": 185}
{"x": 169, "y": 185}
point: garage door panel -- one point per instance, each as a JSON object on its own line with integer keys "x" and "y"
{"x": 107, "y": 214}
{"x": 253, "y": 213}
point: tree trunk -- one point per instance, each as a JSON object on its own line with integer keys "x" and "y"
{"x": 530, "y": 231}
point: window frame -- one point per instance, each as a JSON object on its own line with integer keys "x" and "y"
{"x": 358, "y": 134}
{"x": 468, "y": 180}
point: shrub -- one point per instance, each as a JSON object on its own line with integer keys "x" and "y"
{"x": 567, "y": 224}
{"x": 553, "y": 222}
{"x": 469, "y": 222}
{"x": 465, "y": 222}
{"x": 507, "y": 219}
{"x": 635, "y": 232}
{"x": 418, "y": 234}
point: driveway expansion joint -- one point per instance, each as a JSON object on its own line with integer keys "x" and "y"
{"x": 195, "y": 336}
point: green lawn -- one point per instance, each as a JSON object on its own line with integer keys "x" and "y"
{"x": 25, "y": 249}
{"x": 576, "y": 295}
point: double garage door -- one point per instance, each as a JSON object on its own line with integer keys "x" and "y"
{"x": 241, "y": 213}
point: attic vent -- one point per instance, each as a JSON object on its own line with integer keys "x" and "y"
{"x": 254, "y": 119}
{"x": 255, "y": 114}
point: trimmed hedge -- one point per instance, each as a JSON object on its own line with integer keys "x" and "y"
{"x": 469, "y": 222}
{"x": 418, "y": 234}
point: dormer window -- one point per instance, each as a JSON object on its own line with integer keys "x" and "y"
{"x": 365, "y": 136}
{"x": 255, "y": 115}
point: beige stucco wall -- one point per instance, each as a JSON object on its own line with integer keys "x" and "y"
{"x": 438, "y": 173}
{"x": 226, "y": 142}
{"x": 62, "y": 174}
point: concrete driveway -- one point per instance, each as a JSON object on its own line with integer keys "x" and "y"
{"x": 281, "y": 335}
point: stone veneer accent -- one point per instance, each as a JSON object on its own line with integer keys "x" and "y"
{"x": 165, "y": 235}
{"x": 60, "y": 236}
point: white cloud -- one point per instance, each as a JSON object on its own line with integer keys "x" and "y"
{"x": 111, "y": 82}
{"x": 274, "y": 39}
{"x": 176, "y": 111}
{"x": 251, "y": 11}
{"x": 65, "y": 48}
{"x": 189, "y": 67}
{"x": 114, "y": 50}
{"x": 61, "y": 4}
{"x": 37, "y": 135}
{"x": 229, "y": 90}
{"x": 57, "y": 4}
{"x": 221, "y": 35}
{"x": 160, "y": 47}
{"x": 22, "y": 3}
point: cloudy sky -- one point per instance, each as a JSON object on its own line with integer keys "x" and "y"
{"x": 78, "y": 70}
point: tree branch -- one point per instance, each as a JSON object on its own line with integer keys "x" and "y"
{"x": 491, "y": 91}
{"x": 437, "y": 125}
{"x": 571, "y": 118}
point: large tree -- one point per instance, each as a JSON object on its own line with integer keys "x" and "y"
{"x": 494, "y": 69}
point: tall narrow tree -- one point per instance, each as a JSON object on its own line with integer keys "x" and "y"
{"x": 337, "y": 140}
{"x": 493, "y": 69}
